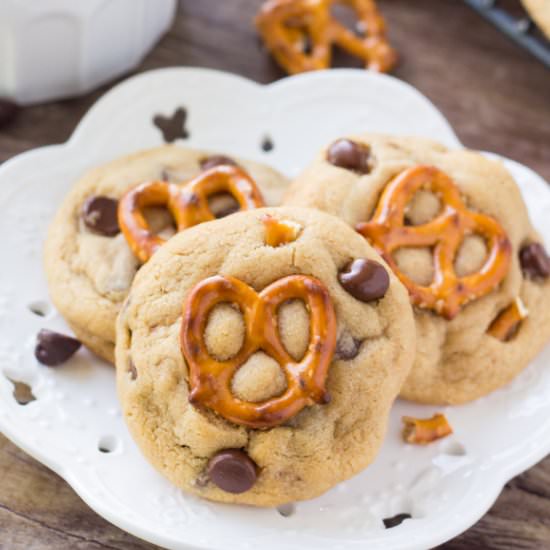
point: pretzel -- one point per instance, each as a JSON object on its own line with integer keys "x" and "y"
{"x": 286, "y": 26}
{"x": 387, "y": 232}
{"x": 507, "y": 322}
{"x": 210, "y": 380}
{"x": 188, "y": 204}
{"x": 421, "y": 431}
{"x": 279, "y": 232}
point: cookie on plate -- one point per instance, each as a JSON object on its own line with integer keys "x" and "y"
{"x": 89, "y": 262}
{"x": 453, "y": 226}
{"x": 258, "y": 356}
{"x": 539, "y": 10}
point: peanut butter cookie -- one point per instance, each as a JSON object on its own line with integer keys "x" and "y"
{"x": 89, "y": 264}
{"x": 258, "y": 356}
{"x": 453, "y": 226}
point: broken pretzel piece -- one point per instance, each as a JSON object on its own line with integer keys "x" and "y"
{"x": 279, "y": 232}
{"x": 421, "y": 431}
{"x": 507, "y": 323}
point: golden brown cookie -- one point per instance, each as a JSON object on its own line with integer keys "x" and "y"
{"x": 455, "y": 229}
{"x": 89, "y": 264}
{"x": 258, "y": 356}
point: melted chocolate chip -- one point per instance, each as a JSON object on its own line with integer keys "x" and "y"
{"x": 534, "y": 261}
{"x": 53, "y": 348}
{"x": 350, "y": 155}
{"x": 8, "y": 111}
{"x": 366, "y": 280}
{"x": 347, "y": 347}
{"x": 172, "y": 127}
{"x": 216, "y": 160}
{"x": 232, "y": 470}
{"x": 100, "y": 214}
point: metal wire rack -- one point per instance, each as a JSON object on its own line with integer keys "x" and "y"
{"x": 519, "y": 28}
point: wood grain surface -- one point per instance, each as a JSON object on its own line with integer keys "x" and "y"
{"x": 496, "y": 97}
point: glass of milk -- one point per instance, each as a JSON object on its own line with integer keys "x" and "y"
{"x": 52, "y": 49}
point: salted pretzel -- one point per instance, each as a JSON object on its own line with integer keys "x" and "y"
{"x": 210, "y": 379}
{"x": 387, "y": 232}
{"x": 188, "y": 204}
{"x": 287, "y": 25}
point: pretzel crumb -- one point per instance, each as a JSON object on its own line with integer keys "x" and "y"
{"x": 421, "y": 431}
{"x": 279, "y": 232}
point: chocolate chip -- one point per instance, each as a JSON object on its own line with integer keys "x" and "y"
{"x": 365, "y": 280}
{"x": 172, "y": 127}
{"x": 8, "y": 111}
{"x": 347, "y": 347}
{"x": 100, "y": 214}
{"x": 396, "y": 520}
{"x": 216, "y": 160}
{"x": 232, "y": 470}
{"x": 534, "y": 261}
{"x": 53, "y": 348}
{"x": 350, "y": 155}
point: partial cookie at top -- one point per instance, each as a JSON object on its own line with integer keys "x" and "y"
{"x": 89, "y": 264}
{"x": 466, "y": 353}
{"x": 336, "y": 306}
{"x": 539, "y": 10}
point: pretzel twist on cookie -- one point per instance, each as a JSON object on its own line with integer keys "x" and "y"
{"x": 188, "y": 205}
{"x": 387, "y": 232}
{"x": 286, "y": 25}
{"x": 210, "y": 379}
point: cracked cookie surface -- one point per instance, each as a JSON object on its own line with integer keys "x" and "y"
{"x": 457, "y": 360}
{"x": 321, "y": 445}
{"x": 89, "y": 273}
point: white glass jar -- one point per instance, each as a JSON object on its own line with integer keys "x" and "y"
{"x": 51, "y": 49}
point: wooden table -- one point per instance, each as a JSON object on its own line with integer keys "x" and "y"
{"x": 496, "y": 97}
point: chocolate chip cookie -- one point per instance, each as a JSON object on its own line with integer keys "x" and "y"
{"x": 89, "y": 263}
{"x": 258, "y": 355}
{"x": 454, "y": 228}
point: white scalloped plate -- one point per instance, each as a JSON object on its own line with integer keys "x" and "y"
{"x": 446, "y": 487}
